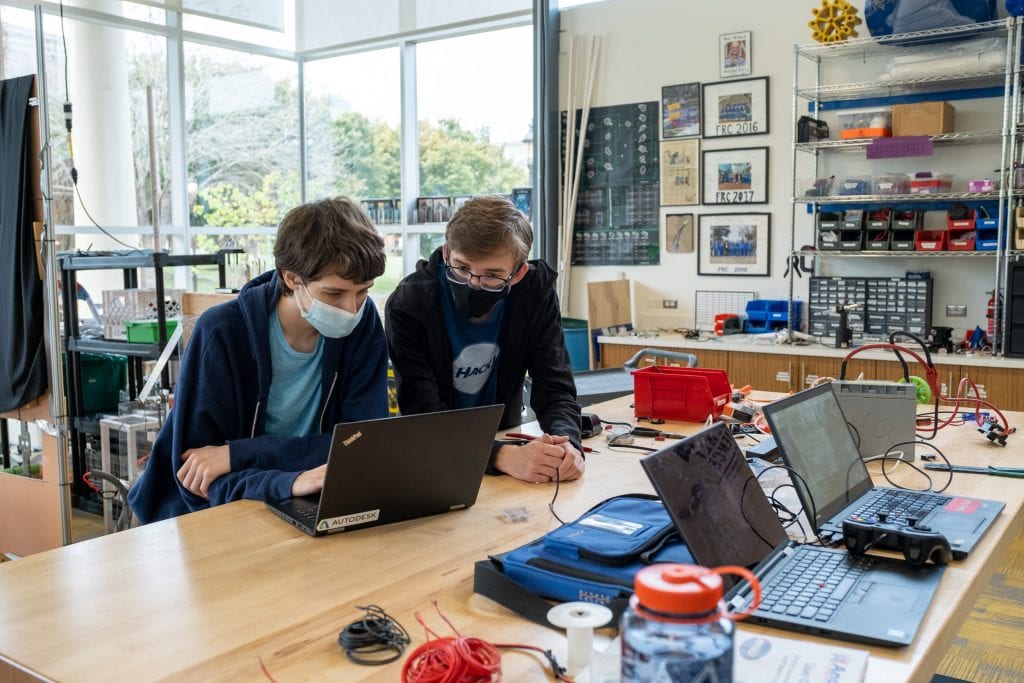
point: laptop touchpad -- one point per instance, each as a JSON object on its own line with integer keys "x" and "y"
{"x": 952, "y": 521}
{"x": 891, "y": 597}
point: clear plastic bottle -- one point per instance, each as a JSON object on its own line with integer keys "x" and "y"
{"x": 676, "y": 628}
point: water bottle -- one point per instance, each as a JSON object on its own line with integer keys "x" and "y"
{"x": 677, "y": 628}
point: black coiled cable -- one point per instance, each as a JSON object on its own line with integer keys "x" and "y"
{"x": 370, "y": 639}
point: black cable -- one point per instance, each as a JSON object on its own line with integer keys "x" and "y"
{"x": 931, "y": 488}
{"x": 364, "y": 640}
{"x": 551, "y": 505}
{"x": 98, "y": 226}
{"x": 64, "y": 40}
{"x": 623, "y": 424}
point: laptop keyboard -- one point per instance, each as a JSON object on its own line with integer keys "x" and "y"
{"x": 897, "y": 506}
{"x": 813, "y": 584}
{"x": 306, "y": 512}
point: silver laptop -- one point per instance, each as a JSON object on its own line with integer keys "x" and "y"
{"x": 811, "y": 432}
{"x": 722, "y": 514}
{"x": 393, "y": 469}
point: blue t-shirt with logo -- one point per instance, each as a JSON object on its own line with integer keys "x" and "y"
{"x": 475, "y": 351}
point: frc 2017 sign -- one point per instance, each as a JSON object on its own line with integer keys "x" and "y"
{"x": 735, "y": 176}
{"x": 733, "y": 108}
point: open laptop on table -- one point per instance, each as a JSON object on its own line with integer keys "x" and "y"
{"x": 393, "y": 469}
{"x": 720, "y": 511}
{"x": 811, "y": 432}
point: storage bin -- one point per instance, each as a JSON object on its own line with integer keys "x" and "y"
{"x": 855, "y": 185}
{"x": 892, "y": 183}
{"x": 986, "y": 234}
{"x": 103, "y": 377}
{"x": 930, "y": 240}
{"x": 121, "y": 305}
{"x": 684, "y": 394}
{"x": 865, "y": 123}
{"x": 145, "y": 331}
{"x": 575, "y": 333}
{"x": 960, "y": 240}
{"x": 928, "y": 183}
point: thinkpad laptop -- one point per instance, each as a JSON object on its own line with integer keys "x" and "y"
{"x": 812, "y": 435}
{"x": 393, "y": 469}
{"x": 720, "y": 511}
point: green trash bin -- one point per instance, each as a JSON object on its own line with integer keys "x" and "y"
{"x": 103, "y": 377}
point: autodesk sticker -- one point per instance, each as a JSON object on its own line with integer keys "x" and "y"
{"x": 339, "y": 523}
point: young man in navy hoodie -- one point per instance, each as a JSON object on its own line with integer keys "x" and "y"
{"x": 467, "y": 325}
{"x": 266, "y": 377}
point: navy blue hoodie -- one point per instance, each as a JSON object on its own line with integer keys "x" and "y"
{"x": 221, "y": 397}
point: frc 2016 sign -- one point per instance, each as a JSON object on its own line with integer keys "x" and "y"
{"x": 735, "y": 108}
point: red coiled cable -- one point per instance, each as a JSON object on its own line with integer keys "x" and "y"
{"x": 451, "y": 660}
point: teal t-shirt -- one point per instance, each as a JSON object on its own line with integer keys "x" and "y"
{"x": 295, "y": 387}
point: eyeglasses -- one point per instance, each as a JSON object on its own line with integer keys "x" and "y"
{"x": 489, "y": 283}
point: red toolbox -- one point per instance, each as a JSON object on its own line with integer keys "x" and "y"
{"x": 682, "y": 394}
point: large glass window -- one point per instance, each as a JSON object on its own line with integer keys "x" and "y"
{"x": 242, "y": 131}
{"x": 475, "y": 109}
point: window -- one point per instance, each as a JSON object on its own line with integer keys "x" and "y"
{"x": 242, "y": 132}
{"x": 475, "y": 110}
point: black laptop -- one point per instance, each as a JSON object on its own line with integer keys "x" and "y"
{"x": 393, "y": 469}
{"x": 720, "y": 511}
{"x": 812, "y": 435}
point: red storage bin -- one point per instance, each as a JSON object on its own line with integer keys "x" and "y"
{"x": 931, "y": 240}
{"x": 682, "y": 394}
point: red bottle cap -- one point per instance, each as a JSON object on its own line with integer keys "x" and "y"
{"x": 678, "y": 588}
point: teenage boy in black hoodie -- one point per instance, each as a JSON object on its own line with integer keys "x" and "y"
{"x": 467, "y": 325}
{"x": 266, "y": 377}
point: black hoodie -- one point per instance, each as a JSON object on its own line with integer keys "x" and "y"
{"x": 530, "y": 340}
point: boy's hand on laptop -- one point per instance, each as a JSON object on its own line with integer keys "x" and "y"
{"x": 309, "y": 482}
{"x": 202, "y": 466}
{"x": 536, "y": 461}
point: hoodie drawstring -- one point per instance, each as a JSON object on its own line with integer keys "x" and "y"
{"x": 327, "y": 400}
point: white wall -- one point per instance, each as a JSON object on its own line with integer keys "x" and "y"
{"x": 648, "y": 44}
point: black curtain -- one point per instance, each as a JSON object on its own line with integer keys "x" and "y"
{"x": 22, "y": 356}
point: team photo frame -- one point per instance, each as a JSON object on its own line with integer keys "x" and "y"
{"x": 732, "y": 108}
{"x": 680, "y": 111}
{"x": 734, "y": 244}
{"x": 735, "y": 176}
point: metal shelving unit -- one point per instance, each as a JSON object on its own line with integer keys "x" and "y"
{"x": 812, "y": 95}
{"x": 74, "y": 345}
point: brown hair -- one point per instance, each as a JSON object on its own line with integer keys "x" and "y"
{"x": 329, "y": 237}
{"x": 490, "y": 225}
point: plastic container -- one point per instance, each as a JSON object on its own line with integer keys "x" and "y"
{"x": 145, "y": 331}
{"x": 815, "y": 187}
{"x": 892, "y": 183}
{"x": 865, "y": 123}
{"x": 855, "y": 185}
{"x": 575, "y": 332}
{"x": 930, "y": 240}
{"x": 103, "y": 377}
{"x": 986, "y": 234}
{"x": 685, "y": 394}
{"x": 926, "y": 182}
{"x": 677, "y": 627}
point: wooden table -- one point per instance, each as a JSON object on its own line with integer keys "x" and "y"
{"x": 207, "y": 595}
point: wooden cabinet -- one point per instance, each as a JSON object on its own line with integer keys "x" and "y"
{"x": 614, "y": 355}
{"x": 1002, "y": 387}
{"x": 811, "y": 368}
{"x": 763, "y": 371}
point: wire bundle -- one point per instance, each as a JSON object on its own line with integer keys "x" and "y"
{"x": 365, "y": 640}
{"x": 461, "y": 659}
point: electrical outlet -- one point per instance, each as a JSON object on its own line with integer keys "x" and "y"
{"x": 956, "y": 311}
{"x": 670, "y": 303}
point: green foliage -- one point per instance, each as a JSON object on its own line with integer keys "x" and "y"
{"x": 455, "y": 161}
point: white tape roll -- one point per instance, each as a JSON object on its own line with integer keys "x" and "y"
{"x": 579, "y": 619}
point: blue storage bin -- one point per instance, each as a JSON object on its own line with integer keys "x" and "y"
{"x": 765, "y": 315}
{"x": 575, "y": 332}
{"x": 986, "y": 234}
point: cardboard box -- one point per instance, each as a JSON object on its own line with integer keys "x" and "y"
{"x": 923, "y": 118}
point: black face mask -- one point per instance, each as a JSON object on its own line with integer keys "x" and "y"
{"x": 475, "y": 303}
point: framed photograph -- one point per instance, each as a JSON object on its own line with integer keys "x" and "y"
{"x": 522, "y": 197}
{"x": 734, "y": 244}
{"x": 680, "y": 172}
{"x": 735, "y": 107}
{"x": 424, "y": 210}
{"x": 679, "y": 233}
{"x": 680, "y": 111}
{"x": 442, "y": 209}
{"x": 734, "y": 54}
{"x": 735, "y": 176}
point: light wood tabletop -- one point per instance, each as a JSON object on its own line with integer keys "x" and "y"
{"x": 208, "y": 595}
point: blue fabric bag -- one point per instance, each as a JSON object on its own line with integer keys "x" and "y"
{"x": 593, "y": 558}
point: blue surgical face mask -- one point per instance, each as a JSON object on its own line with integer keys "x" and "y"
{"x": 330, "y": 321}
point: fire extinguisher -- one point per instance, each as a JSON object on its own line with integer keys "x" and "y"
{"x": 995, "y": 318}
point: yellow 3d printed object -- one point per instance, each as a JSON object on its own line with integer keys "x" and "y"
{"x": 834, "y": 21}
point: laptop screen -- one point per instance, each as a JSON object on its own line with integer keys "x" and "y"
{"x": 815, "y": 440}
{"x": 714, "y": 500}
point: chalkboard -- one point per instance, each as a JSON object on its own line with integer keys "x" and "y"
{"x": 617, "y": 207}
